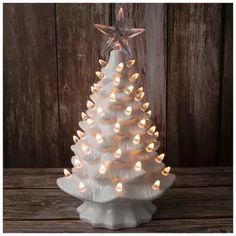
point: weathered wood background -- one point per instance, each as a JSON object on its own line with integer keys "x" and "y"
{"x": 51, "y": 52}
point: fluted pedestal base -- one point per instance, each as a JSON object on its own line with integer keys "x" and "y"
{"x": 116, "y": 215}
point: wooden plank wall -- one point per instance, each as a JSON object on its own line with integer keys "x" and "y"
{"x": 51, "y": 52}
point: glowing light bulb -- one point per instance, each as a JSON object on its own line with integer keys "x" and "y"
{"x": 120, "y": 67}
{"x": 150, "y": 147}
{"x": 67, "y": 173}
{"x": 142, "y": 123}
{"x": 85, "y": 148}
{"x": 129, "y": 90}
{"x": 116, "y": 127}
{"x": 102, "y": 63}
{"x": 75, "y": 139}
{"x": 78, "y": 163}
{"x": 90, "y": 122}
{"x": 84, "y": 116}
{"x": 119, "y": 187}
{"x": 139, "y": 90}
{"x": 94, "y": 90}
{"x": 133, "y": 77}
{"x": 151, "y": 130}
{"x": 100, "y": 111}
{"x": 102, "y": 169}
{"x": 99, "y": 138}
{"x": 130, "y": 63}
{"x": 166, "y": 171}
{"x": 97, "y": 86}
{"x": 112, "y": 97}
{"x": 116, "y": 81}
{"x": 90, "y": 105}
{"x": 80, "y": 134}
{"x": 160, "y": 158}
{"x": 138, "y": 166}
{"x": 138, "y": 97}
{"x": 118, "y": 153}
{"x": 145, "y": 106}
{"x": 128, "y": 111}
{"x": 99, "y": 74}
{"x": 149, "y": 113}
{"x": 136, "y": 139}
{"x": 156, "y": 185}
{"x": 82, "y": 187}
{"x": 156, "y": 134}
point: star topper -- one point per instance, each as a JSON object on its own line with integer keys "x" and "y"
{"x": 118, "y": 35}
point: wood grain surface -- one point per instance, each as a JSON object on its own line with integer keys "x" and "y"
{"x": 188, "y": 206}
{"x": 184, "y": 58}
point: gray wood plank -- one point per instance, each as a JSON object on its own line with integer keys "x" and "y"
{"x": 196, "y": 203}
{"x": 222, "y": 225}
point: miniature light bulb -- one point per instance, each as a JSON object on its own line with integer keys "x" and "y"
{"x": 67, "y": 173}
{"x": 156, "y": 185}
{"x": 102, "y": 63}
{"x": 118, "y": 153}
{"x": 85, "y": 148}
{"x": 139, "y": 90}
{"x": 99, "y": 138}
{"x": 116, "y": 127}
{"x": 149, "y": 113}
{"x": 133, "y": 77}
{"x": 142, "y": 123}
{"x": 102, "y": 169}
{"x": 160, "y": 158}
{"x": 128, "y": 111}
{"x": 90, "y": 122}
{"x": 78, "y": 163}
{"x": 94, "y": 90}
{"x": 145, "y": 106}
{"x": 136, "y": 139}
{"x": 90, "y": 105}
{"x": 99, "y": 74}
{"x": 75, "y": 139}
{"x": 84, "y": 116}
{"x": 80, "y": 134}
{"x": 138, "y": 166}
{"x": 120, "y": 66}
{"x": 130, "y": 63}
{"x": 150, "y": 147}
{"x": 112, "y": 97}
{"x": 151, "y": 130}
{"x": 139, "y": 96}
{"x": 100, "y": 111}
{"x": 97, "y": 86}
{"x": 166, "y": 171}
{"x": 129, "y": 90}
{"x": 119, "y": 187}
{"x": 156, "y": 134}
{"x": 116, "y": 81}
{"x": 82, "y": 187}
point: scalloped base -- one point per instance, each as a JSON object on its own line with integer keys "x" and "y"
{"x": 116, "y": 215}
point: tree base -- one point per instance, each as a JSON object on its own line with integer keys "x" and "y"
{"x": 116, "y": 215}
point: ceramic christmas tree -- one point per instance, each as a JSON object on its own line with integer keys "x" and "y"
{"x": 117, "y": 169}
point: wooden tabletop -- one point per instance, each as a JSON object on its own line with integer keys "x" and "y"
{"x": 201, "y": 200}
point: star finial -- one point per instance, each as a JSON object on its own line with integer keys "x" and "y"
{"x": 118, "y": 35}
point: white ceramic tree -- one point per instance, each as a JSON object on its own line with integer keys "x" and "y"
{"x": 117, "y": 168}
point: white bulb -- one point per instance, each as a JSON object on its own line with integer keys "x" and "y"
{"x": 130, "y": 63}
{"x": 80, "y": 134}
{"x": 149, "y": 113}
{"x": 118, "y": 153}
{"x": 136, "y": 139}
{"x": 160, "y": 158}
{"x": 139, "y": 90}
{"x": 112, "y": 97}
{"x": 133, "y": 77}
{"x": 99, "y": 74}
{"x": 145, "y": 106}
{"x": 67, "y": 173}
{"x": 142, "y": 123}
{"x": 85, "y": 148}
{"x": 82, "y": 187}
{"x": 84, "y": 116}
{"x": 116, "y": 81}
{"x": 116, "y": 127}
{"x": 138, "y": 166}
{"x": 90, "y": 105}
{"x": 119, "y": 187}
{"x": 94, "y": 90}
{"x": 138, "y": 97}
{"x": 100, "y": 111}
{"x": 102, "y": 169}
{"x": 75, "y": 139}
{"x": 90, "y": 122}
{"x": 78, "y": 163}
{"x": 128, "y": 111}
{"x": 151, "y": 130}
{"x": 102, "y": 63}
{"x": 150, "y": 147}
{"x": 120, "y": 66}
{"x": 156, "y": 134}
{"x": 166, "y": 171}
{"x": 99, "y": 138}
{"x": 156, "y": 185}
{"x": 129, "y": 90}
